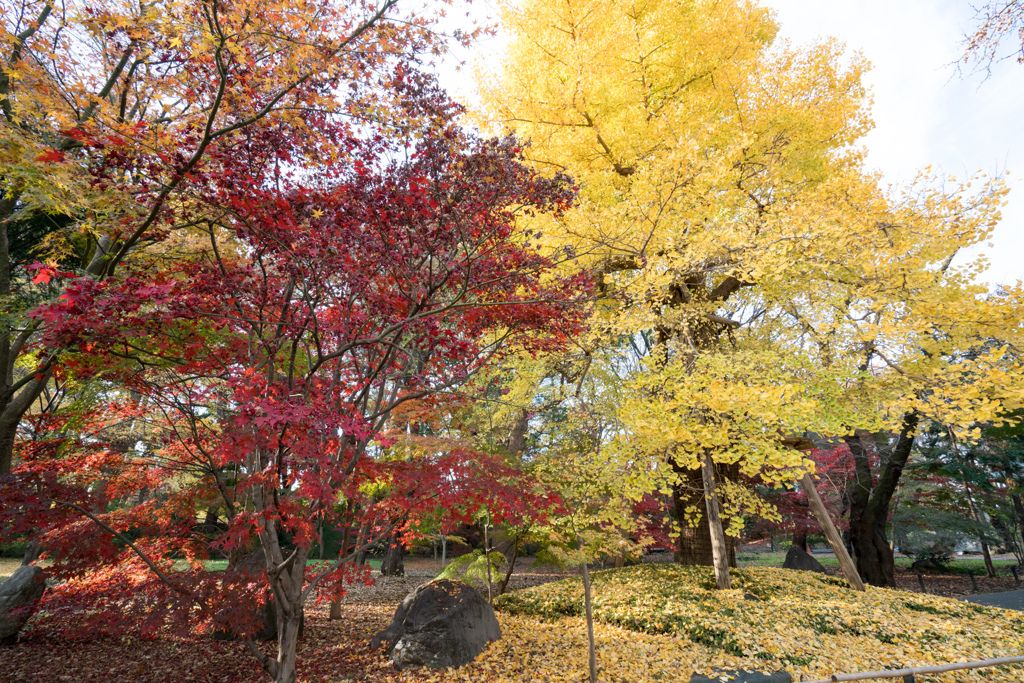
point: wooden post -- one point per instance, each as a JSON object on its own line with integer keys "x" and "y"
{"x": 487, "y": 560}
{"x": 591, "y": 645}
{"x": 718, "y": 548}
{"x": 834, "y": 539}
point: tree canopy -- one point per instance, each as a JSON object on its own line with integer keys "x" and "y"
{"x": 729, "y": 220}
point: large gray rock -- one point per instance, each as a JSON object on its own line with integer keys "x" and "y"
{"x": 18, "y": 597}
{"x": 742, "y": 676}
{"x": 440, "y": 624}
{"x": 798, "y": 559}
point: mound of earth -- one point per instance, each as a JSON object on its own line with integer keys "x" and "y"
{"x": 806, "y": 623}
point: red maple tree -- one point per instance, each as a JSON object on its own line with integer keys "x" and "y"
{"x": 261, "y": 367}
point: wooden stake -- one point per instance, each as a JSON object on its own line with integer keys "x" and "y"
{"x": 591, "y": 646}
{"x": 718, "y": 548}
{"x": 834, "y": 539}
{"x": 487, "y": 560}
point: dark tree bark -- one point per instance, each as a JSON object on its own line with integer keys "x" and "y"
{"x": 869, "y": 503}
{"x": 516, "y": 442}
{"x": 511, "y": 562}
{"x": 17, "y": 395}
{"x": 393, "y": 564}
{"x": 695, "y": 541}
{"x": 1018, "y": 508}
{"x": 800, "y": 540}
{"x": 364, "y": 535}
{"x": 1007, "y": 534}
{"x": 211, "y": 516}
{"x": 990, "y": 568}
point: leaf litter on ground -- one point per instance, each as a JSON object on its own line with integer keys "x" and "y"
{"x": 653, "y": 623}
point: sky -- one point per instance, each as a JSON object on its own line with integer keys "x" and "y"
{"x": 926, "y": 110}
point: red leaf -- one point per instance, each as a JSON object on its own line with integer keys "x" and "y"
{"x": 51, "y": 156}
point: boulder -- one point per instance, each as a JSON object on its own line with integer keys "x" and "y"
{"x": 798, "y": 559}
{"x": 741, "y": 676}
{"x": 440, "y": 624}
{"x": 19, "y": 595}
{"x": 928, "y": 564}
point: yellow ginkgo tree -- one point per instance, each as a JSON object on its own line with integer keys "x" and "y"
{"x": 728, "y": 219}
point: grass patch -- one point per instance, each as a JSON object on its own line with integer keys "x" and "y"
{"x": 958, "y": 565}
{"x": 8, "y": 565}
{"x": 805, "y": 622}
{"x": 221, "y": 565}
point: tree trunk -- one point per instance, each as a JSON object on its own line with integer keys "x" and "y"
{"x": 393, "y": 564}
{"x": 695, "y": 541}
{"x": 8, "y": 433}
{"x": 286, "y": 579}
{"x": 718, "y": 549}
{"x": 346, "y": 537}
{"x": 32, "y": 551}
{"x": 874, "y": 557}
{"x": 13, "y": 403}
{"x": 989, "y": 567}
{"x": 287, "y": 645}
{"x": 516, "y": 442}
{"x": 364, "y": 536}
{"x": 1007, "y": 532}
{"x": 869, "y": 505}
{"x": 511, "y": 564}
{"x": 1018, "y": 508}
{"x": 16, "y": 333}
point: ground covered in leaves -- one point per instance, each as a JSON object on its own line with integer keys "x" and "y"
{"x": 806, "y": 623}
{"x": 657, "y": 623}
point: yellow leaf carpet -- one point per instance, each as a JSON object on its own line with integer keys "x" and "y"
{"x": 662, "y": 622}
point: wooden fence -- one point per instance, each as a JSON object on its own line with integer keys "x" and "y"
{"x": 909, "y": 674}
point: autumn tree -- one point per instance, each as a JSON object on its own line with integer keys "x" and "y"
{"x": 271, "y": 360}
{"x": 118, "y": 118}
{"x": 727, "y": 218}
